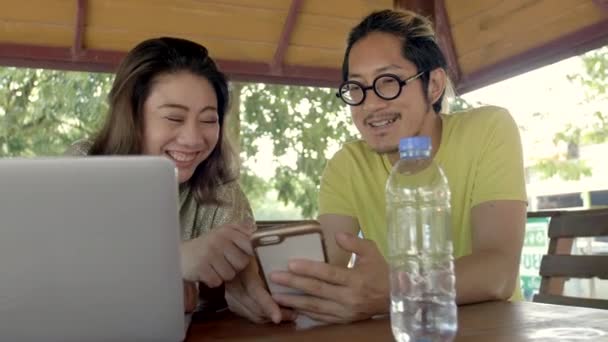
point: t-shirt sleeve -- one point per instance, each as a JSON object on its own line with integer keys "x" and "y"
{"x": 335, "y": 195}
{"x": 500, "y": 171}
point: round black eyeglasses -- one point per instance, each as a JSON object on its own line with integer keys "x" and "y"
{"x": 386, "y": 86}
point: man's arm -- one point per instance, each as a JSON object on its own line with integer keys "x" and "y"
{"x": 332, "y": 224}
{"x": 490, "y": 272}
{"x": 346, "y": 295}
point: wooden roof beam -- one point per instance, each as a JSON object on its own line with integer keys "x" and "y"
{"x": 34, "y": 56}
{"x": 602, "y": 4}
{"x": 424, "y": 7}
{"x": 572, "y": 44}
{"x": 446, "y": 42}
{"x": 276, "y": 65}
{"x": 81, "y": 12}
{"x": 436, "y": 11}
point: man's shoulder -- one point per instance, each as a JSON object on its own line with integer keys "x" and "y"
{"x": 353, "y": 150}
{"x": 480, "y": 117}
{"x": 478, "y": 123}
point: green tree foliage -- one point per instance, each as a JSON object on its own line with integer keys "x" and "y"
{"x": 595, "y": 82}
{"x": 300, "y": 126}
{"x": 43, "y": 111}
{"x": 303, "y": 127}
{"x": 590, "y": 128}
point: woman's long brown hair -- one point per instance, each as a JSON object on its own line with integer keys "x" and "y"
{"x": 123, "y": 128}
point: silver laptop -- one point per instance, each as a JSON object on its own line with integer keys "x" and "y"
{"x": 89, "y": 250}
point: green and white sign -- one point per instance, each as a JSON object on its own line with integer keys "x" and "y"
{"x": 536, "y": 244}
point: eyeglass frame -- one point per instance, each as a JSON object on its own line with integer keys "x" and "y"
{"x": 402, "y": 83}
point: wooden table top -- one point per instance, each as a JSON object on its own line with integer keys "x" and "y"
{"x": 494, "y": 321}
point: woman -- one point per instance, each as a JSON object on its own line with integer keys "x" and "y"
{"x": 169, "y": 99}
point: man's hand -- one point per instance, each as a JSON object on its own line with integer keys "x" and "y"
{"x": 338, "y": 294}
{"x": 217, "y": 256}
{"x": 190, "y": 297}
{"x": 247, "y": 297}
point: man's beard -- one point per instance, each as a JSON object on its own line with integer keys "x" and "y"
{"x": 387, "y": 150}
{"x": 395, "y": 149}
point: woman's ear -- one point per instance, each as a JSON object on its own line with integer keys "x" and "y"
{"x": 437, "y": 84}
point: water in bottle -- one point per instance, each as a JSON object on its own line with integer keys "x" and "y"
{"x": 423, "y": 306}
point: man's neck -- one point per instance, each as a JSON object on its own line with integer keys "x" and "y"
{"x": 432, "y": 127}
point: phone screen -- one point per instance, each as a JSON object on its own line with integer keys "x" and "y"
{"x": 275, "y": 251}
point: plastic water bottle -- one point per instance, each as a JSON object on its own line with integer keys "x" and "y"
{"x": 423, "y": 305}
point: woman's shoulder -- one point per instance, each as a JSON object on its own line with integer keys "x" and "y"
{"x": 79, "y": 148}
{"x": 227, "y": 192}
{"x": 230, "y": 206}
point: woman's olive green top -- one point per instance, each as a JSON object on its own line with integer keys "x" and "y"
{"x": 195, "y": 218}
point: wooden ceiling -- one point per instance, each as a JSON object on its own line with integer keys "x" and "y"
{"x": 298, "y": 41}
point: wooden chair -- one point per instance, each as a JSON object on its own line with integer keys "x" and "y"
{"x": 559, "y": 264}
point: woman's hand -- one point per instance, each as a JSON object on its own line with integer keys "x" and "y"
{"x": 190, "y": 297}
{"x": 217, "y": 256}
{"x": 247, "y": 296}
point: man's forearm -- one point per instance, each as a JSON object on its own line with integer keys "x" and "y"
{"x": 484, "y": 276}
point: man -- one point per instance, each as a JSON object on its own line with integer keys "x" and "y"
{"x": 394, "y": 82}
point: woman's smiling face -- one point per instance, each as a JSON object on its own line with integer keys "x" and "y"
{"x": 180, "y": 121}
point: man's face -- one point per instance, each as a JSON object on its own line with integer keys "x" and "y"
{"x": 382, "y": 123}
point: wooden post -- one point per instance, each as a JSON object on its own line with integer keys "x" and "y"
{"x": 435, "y": 10}
{"x": 424, "y": 7}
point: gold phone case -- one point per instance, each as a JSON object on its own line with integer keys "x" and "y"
{"x": 275, "y": 246}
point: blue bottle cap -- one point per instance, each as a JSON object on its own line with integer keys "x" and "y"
{"x": 415, "y": 147}
{"x": 415, "y": 143}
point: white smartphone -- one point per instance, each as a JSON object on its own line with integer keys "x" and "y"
{"x": 275, "y": 246}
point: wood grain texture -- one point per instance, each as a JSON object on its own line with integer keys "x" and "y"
{"x": 579, "y": 224}
{"x": 559, "y": 264}
{"x": 575, "y": 266}
{"x": 494, "y": 321}
{"x": 515, "y": 26}
{"x": 492, "y": 39}
{"x": 573, "y": 301}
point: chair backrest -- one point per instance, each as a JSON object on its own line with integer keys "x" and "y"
{"x": 559, "y": 264}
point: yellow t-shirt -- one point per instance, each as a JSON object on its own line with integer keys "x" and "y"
{"x": 480, "y": 153}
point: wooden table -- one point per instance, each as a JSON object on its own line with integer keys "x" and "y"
{"x": 495, "y": 321}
